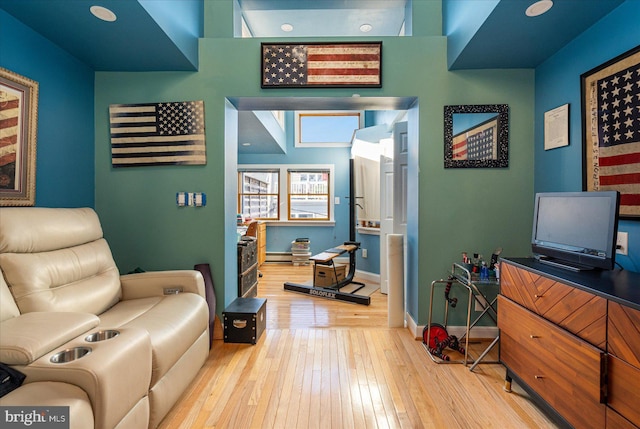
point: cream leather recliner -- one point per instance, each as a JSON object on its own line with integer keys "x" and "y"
{"x": 62, "y": 285}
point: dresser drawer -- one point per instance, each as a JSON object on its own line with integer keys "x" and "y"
{"x": 624, "y": 389}
{"x": 616, "y": 421}
{"x": 624, "y": 334}
{"x": 564, "y": 370}
{"x": 579, "y": 312}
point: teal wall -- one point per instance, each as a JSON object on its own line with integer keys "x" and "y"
{"x": 453, "y": 210}
{"x": 558, "y": 83}
{"x": 450, "y": 211}
{"x": 65, "y": 139}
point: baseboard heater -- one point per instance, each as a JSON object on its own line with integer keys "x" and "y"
{"x": 279, "y": 257}
{"x": 287, "y": 257}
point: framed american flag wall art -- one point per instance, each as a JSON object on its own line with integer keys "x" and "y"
{"x": 476, "y": 136}
{"x": 18, "y": 130}
{"x": 321, "y": 65}
{"x": 150, "y": 134}
{"x": 611, "y": 129}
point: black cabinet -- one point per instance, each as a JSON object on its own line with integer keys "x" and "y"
{"x": 247, "y": 267}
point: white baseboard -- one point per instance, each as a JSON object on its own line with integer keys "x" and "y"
{"x": 483, "y": 332}
{"x": 367, "y": 276}
{"x": 413, "y": 327}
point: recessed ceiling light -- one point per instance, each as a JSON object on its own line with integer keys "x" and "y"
{"x": 286, "y": 27}
{"x": 103, "y": 13}
{"x": 365, "y": 28}
{"x": 539, "y": 7}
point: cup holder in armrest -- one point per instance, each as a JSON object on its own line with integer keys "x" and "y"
{"x": 101, "y": 335}
{"x": 69, "y": 355}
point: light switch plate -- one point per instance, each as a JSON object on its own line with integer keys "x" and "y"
{"x": 181, "y": 199}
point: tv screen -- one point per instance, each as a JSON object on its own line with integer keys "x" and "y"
{"x": 576, "y": 229}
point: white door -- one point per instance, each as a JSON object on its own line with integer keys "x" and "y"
{"x": 400, "y": 179}
{"x": 393, "y": 196}
{"x": 386, "y": 215}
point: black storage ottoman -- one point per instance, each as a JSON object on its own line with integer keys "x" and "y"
{"x": 245, "y": 320}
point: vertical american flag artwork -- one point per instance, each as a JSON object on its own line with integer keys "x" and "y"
{"x": 170, "y": 133}
{"x": 320, "y": 64}
{"x": 478, "y": 143}
{"x": 10, "y": 127}
{"x": 18, "y": 135}
{"x": 613, "y": 132}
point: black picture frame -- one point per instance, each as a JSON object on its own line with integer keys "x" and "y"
{"x": 490, "y": 135}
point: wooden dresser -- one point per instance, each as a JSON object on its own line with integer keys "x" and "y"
{"x": 624, "y": 363}
{"x": 570, "y": 339}
{"x": 258, "y": 229}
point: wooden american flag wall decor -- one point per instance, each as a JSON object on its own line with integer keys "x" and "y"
{"x": 170, "y": 133}
{"x": 287, "y": 65}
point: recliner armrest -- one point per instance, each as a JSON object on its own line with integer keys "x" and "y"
{"x": 26, "y": 338}
{"x": 158, "y": 283}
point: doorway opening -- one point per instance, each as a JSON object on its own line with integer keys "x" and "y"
{"x": 237, "y": 108}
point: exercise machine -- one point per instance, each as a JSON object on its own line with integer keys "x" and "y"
{"x": 327, "y": 257}
{"x": 333, "y": 291}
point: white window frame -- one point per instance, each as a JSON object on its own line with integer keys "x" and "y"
{"x": 284, "y": 191}
{"x": 328, "y": 113}
{"x": 247, "y": 194}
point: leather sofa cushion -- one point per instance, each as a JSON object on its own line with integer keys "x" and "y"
{"x": 40, "y": 229}
{"x": 26, "y": 338}
{"x": 8, "y": 307}
{"x": 83, "y": 279}
{"x": 174, "y": 323}
{"x": 55, "y": 394}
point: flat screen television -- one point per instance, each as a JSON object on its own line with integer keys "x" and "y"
{"x": 576, "y": 230}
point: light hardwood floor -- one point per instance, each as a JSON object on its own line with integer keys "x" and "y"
{"x": 328, "y": 364}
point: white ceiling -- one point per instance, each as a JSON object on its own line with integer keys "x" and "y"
{"x": 324, "y": 18}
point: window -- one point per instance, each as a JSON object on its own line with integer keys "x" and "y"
{"x": 309, "y": 194}
{"x": 288, "y": 193}
{"x": 258, "y": 193}
{"x": 326, "y": 128}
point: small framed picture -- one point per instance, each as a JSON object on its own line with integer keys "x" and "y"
{"x": 556, "y": 127}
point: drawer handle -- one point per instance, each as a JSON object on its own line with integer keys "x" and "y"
{"x": 239, "y": 324}
{"x": 538, "y": 377}
{"x": 538, "y": 296}
{"x": 534, "y": 336}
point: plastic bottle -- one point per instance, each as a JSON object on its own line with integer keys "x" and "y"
{"x": 484, "y": 272}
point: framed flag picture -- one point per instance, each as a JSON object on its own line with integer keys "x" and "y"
{"x": 476, "y": 136}
{"x": 611, "y": 130}
{"x": 321, "y": 65}
{"x": 151, "y": 134}
{"x": 18, "y": 131}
